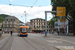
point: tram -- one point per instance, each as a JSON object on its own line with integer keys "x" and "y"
{"x": 23, "y": 31}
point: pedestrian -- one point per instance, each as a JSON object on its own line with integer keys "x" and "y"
{"x": 11, "y": 33}
{"x": 52, "y": 32}
{"x": 49, "y": 32}
{"x": 58, "y": 32}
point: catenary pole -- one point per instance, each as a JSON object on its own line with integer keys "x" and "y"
{"x": 46, "y": 20}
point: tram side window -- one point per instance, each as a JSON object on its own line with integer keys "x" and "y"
{"x": 24, "y": 30}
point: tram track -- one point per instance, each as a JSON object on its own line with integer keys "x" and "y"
{"x": 12, "y": 44}
{"x": 29, "y": 43}
{"x": 43, "y": 48}
{"x": 7, "y": 45}
{"x": 4, "y": 42}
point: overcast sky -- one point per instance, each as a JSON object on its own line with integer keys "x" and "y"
{"x": 19, "y": 6}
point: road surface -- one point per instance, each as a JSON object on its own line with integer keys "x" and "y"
{"x": 37, "y": 42}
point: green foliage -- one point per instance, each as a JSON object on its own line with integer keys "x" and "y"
{"x": 1, "y": 19}
{"x": 53, "y": 20}
{"x": 2, "y": 16}
{"x": 70, "y": 9}
{"x": 69, "y": 4}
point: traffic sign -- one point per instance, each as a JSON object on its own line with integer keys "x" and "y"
{"x": 62, "y": 19}
{"x": 61, "y": 11}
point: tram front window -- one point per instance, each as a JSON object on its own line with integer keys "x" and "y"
{"x": 24, "y": 30}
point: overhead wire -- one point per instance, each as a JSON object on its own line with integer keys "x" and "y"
{"x": 23, "y": 5}
{"x": 20, "y": 5}
{"x": 10, "y": 7}
{"x": 32, "y": 6}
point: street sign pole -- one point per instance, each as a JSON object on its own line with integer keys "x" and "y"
{"x": 64, "y": 25}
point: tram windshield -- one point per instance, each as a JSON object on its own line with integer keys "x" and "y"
{"x": 24, "y": 30}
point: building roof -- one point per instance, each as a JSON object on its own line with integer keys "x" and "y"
{"x": 37, "y": 19}
{"x": 20, "y": 21}
{"x": 11, "y": 17}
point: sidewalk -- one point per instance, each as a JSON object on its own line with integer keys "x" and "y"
{"x": 3, "y": 36}
{"x": 64, "y": 38}
{"x": 65, "y": 48}
{"x": 61, "y": 34}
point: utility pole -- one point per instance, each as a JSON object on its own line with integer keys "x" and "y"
{"x": 46, "y": 20}
{"x": 25, "y": 17}
{"x": 45, "y": 24}
{"x": 10, "y": 8}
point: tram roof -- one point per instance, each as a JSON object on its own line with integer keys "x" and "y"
{"x": 23, "y": 26}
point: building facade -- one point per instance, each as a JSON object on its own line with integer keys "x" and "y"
{"x": 0, "y": 25}
{"x": 50, "y": 27}
{"x": 10, "y": 23}
{"x": 38, "y": 25}
{"x": 29, "y": 27}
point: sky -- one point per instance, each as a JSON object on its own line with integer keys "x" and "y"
{"x": 32, "y": 8}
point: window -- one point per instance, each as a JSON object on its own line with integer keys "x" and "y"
{"x": 4, "y": 19}
{"x": 12, "y": 22}
{"x": 39, "y": 26}
{"x": 5, "y": 22}
{"x": 12, "y": 25}
{"x": 14, "y": 19}
{"x": 34, "y": 26}
{"x": 33, "y": 20}
{"x": 51, "y": 26}
{"x": 7, "y": 19}
{"x": 47, "y": 26}
{"x": 11, "y": 19}
{"x": 35, "y": 23}
{"x": 40, "y": 20}
{"x": 8, "y": 22}
{"x": 38, "y": 23}
{"x": 5, "y": 25}
{"x": 8, "y": 29}
{"x": 8, "y": 25}
{"x": 24, "y": 30}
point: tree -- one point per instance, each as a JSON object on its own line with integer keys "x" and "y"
{"x": 70, "y": 9}
{"x": 53, "y": 20}
{"x": 2, "y": 16}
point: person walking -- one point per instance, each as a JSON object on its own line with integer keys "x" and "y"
{"x": 58, "y": 32}
{"x": 11, "y": 33}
